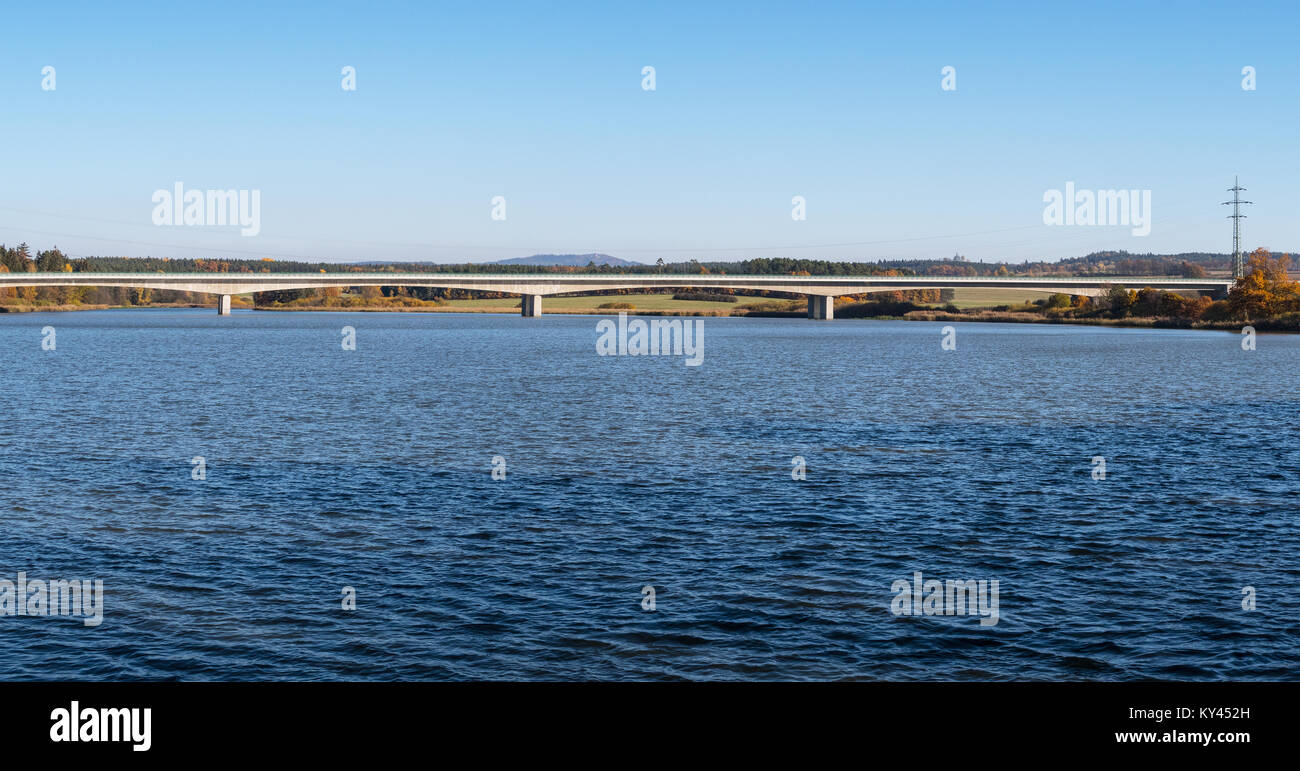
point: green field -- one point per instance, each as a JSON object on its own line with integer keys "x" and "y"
{"x": 587, "y": 304}
{"x": 984, "y": 297}
{"x": 975, "y": 297}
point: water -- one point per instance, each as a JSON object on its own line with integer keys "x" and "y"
{"x": 371, "y": 469}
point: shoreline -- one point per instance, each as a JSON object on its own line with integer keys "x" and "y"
{"x": 995, "y": 317}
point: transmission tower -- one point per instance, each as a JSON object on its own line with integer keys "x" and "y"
{"x": 1238, "y": 264}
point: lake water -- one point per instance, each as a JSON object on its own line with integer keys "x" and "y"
{"x": 371, "y": 468}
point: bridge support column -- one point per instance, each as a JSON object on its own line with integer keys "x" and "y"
{"x": 223, "y": 305}
{"x": 531, "y": 305}
{"x": 821, "y": 307}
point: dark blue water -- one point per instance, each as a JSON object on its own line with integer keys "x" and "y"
{"x": 371, "y": 469}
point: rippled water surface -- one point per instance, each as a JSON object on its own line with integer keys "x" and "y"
{"x": 371, "y": 469}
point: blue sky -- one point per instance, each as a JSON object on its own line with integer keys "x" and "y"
{"x": 542, "y": 103}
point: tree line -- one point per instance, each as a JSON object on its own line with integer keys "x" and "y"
{"x": 19, "y": 259}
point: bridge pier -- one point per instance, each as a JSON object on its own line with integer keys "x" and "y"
{"x": 821, "y": 307}
{"x": 531, "y": 305}
{"x": 223, "y": 305}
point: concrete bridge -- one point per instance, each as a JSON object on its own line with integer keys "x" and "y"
{"x": 821, "y": 290}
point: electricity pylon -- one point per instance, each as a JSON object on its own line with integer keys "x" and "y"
{"x": 1238, "y": 264}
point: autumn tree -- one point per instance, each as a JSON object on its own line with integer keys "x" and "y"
{"x": 1266, "y": 290}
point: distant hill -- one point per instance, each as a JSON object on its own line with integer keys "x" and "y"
{"x": 579, "y": 260}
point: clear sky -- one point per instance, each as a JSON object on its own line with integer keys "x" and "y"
{"x": 542, "y": 103}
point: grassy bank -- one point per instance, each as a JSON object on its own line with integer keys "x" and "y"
{"x": 638, "y": 304}
{"x": 56, "y": 308}
{"x": 1283, "y": 324}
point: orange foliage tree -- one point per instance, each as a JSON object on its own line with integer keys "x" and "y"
{"x": 1266, "y": 290}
